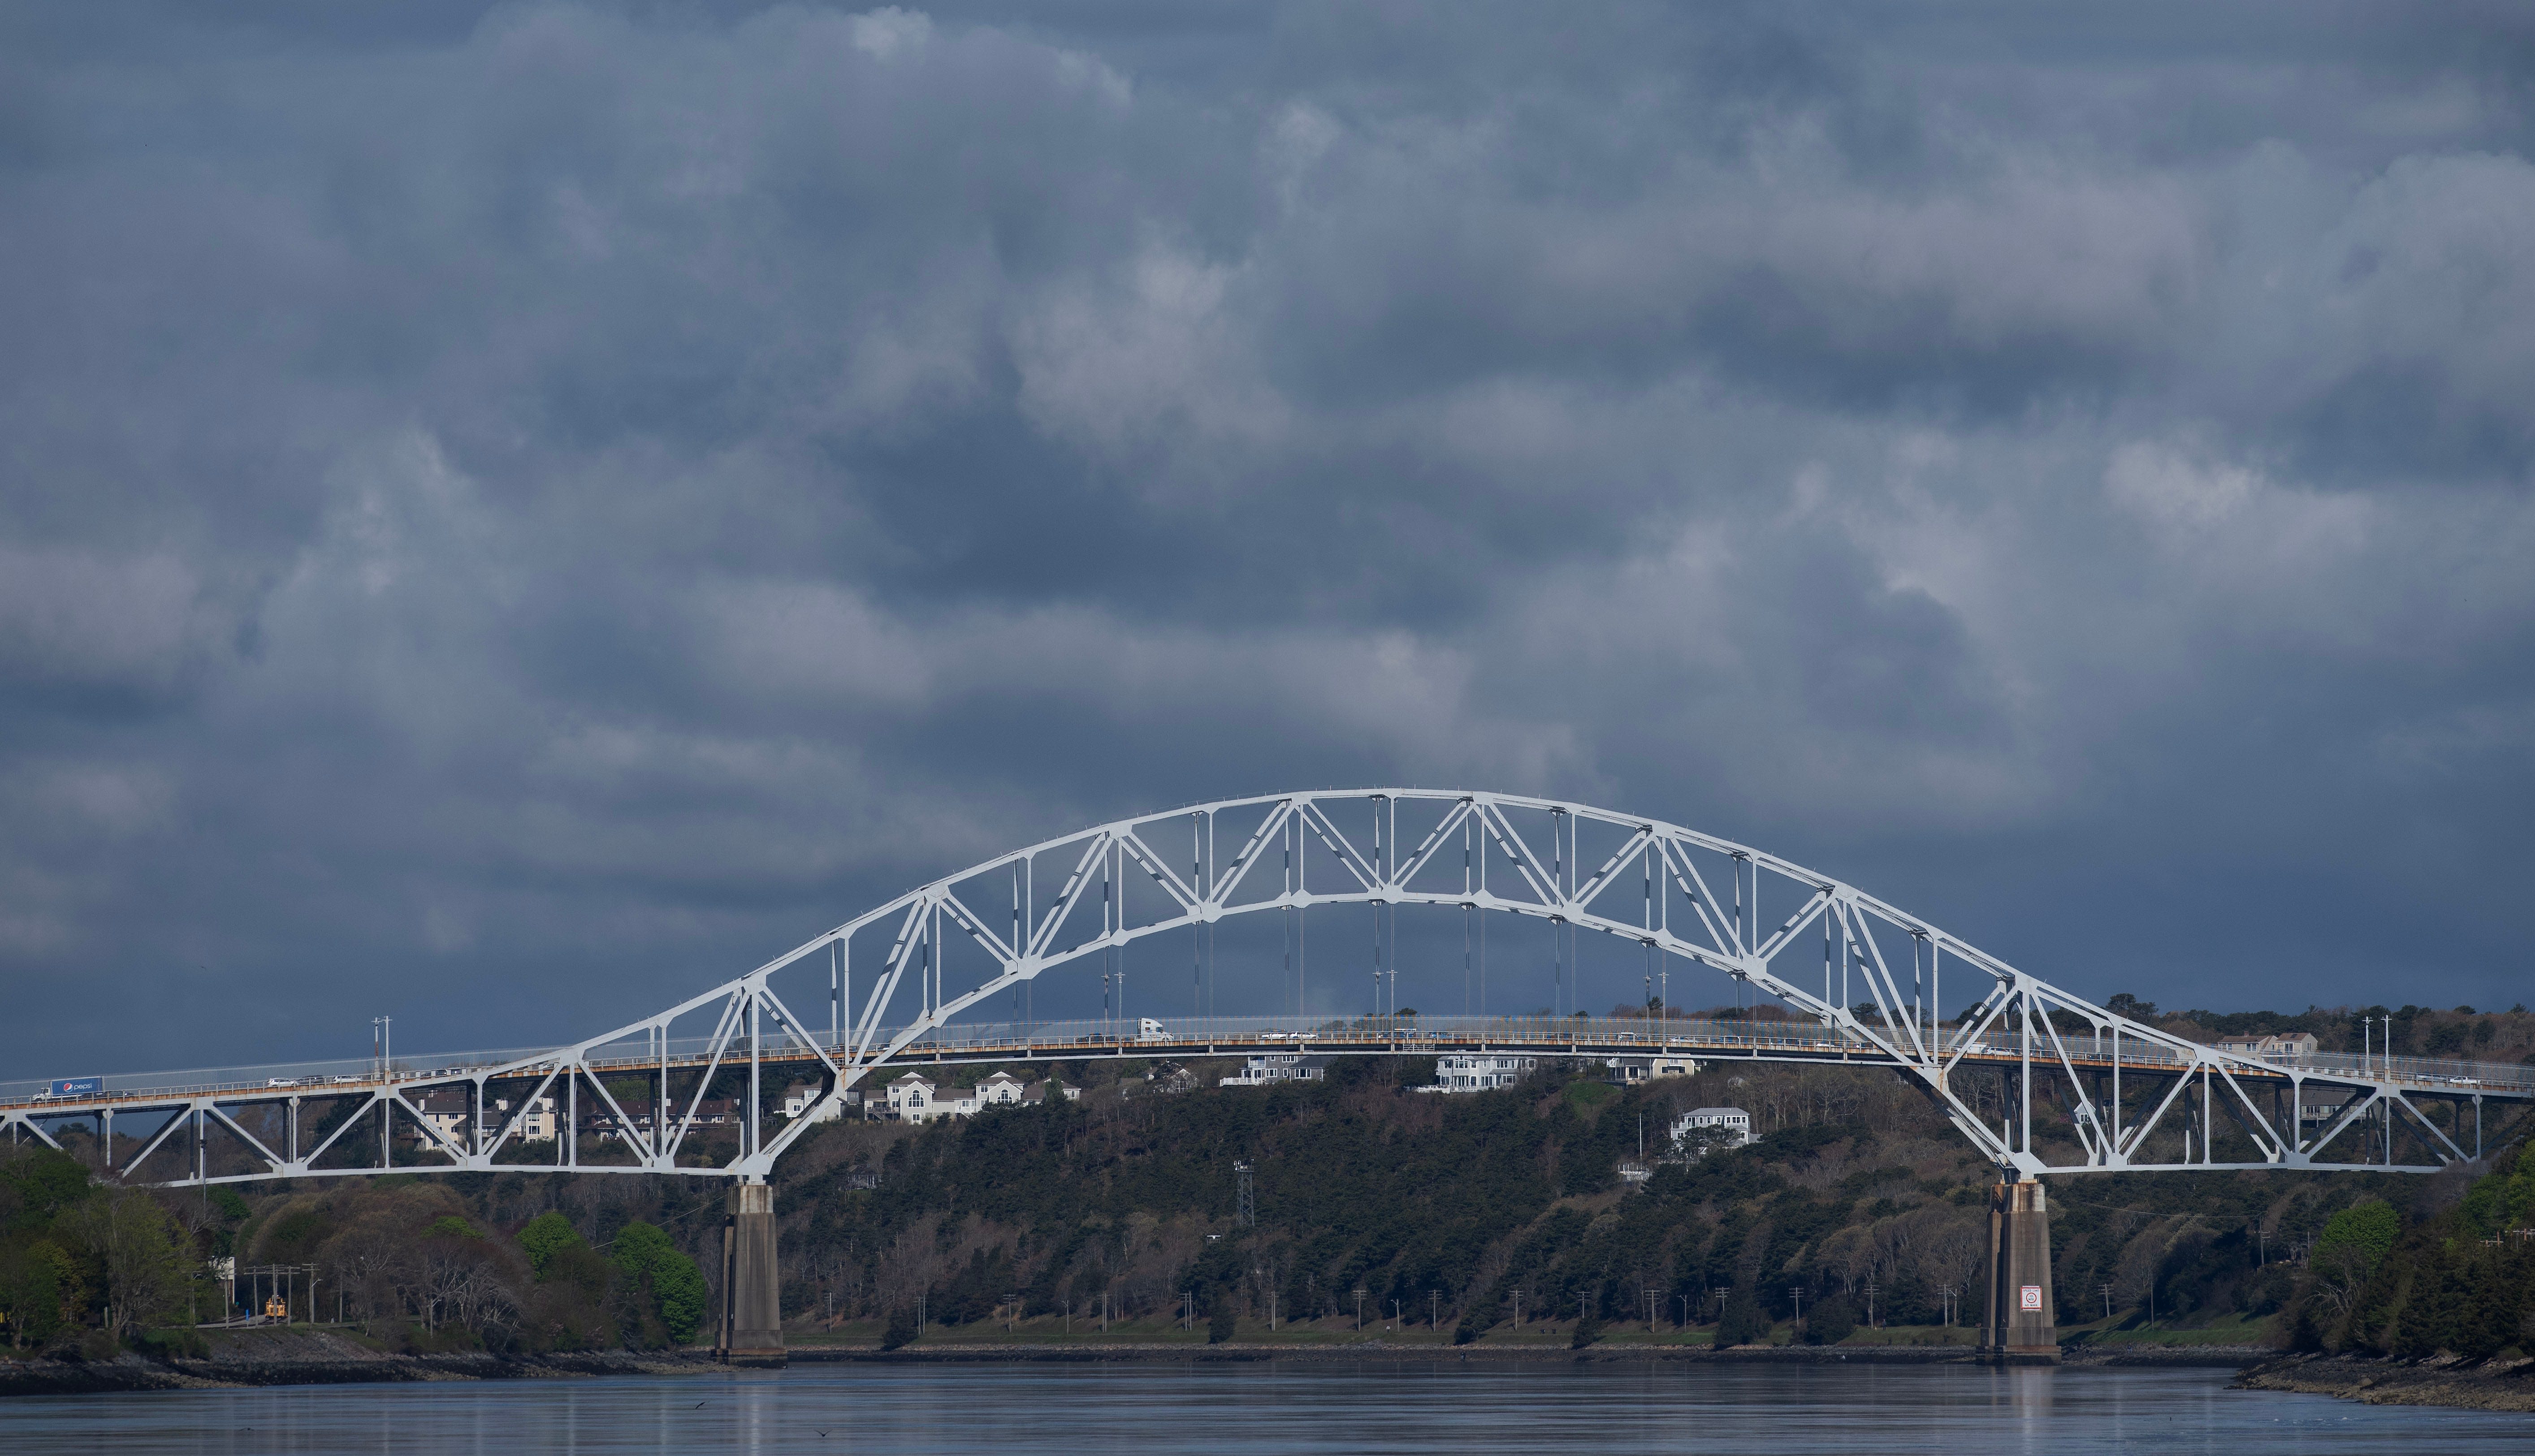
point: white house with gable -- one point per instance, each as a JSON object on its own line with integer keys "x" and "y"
{"x": 917, "y": 1098}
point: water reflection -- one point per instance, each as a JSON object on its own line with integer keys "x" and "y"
{"x": 1290, "y": 1407}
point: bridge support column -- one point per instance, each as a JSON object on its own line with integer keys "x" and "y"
{"x": 2018, "y": 1327}
{"x": 752, "y": 1318}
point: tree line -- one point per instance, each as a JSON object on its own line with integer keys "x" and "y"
{"x": 409, "y": 1263}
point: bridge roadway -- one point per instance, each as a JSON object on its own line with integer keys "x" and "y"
{"x": 29, "y": 1106}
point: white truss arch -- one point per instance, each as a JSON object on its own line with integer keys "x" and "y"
{"x": 1882, "y": 972}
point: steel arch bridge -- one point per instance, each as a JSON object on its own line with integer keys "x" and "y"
{"x": 2039, "y": 1080}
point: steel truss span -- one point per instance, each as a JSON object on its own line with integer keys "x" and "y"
{"x": 2110, "y": 1093}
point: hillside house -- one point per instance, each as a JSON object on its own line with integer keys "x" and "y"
{"x": 1269, "y": 1067}
{"x": 917, "y": 1098}
{"x": 1479, "y": 1071}
{"x": 802, "y": 1096}
{"x": 1704, "y": 1128}
{"x": 1628, "y": 1071}
{"x": 2285, "y": 1046}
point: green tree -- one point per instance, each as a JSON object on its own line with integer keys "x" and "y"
{"x": 1742, "y": 1323}
{"x": 37, "y": 1185}
{"x": 38, "y": 1278}
{"x": 2504, "y": 1197}
{"x": 644, "y": 1255}
{"x": 901, "y": 1327}
{"x": 546, "y": 1235}
{"x": 148, "y": 1273}
{"x": 1220, "y": 1323}
{"x": 2367, "y": 1227}
{"x": 1831, "y": 1320}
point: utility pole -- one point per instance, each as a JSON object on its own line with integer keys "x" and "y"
{"x": 1434, "y": 1310}
{"x": 1247, "y": 1211}
{"x": 2108, "y": 1300}
{"x": 1359, "y": 1312}
{"x": 1796, "y": 1292}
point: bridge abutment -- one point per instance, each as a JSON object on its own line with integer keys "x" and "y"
{"x": 752, "y": 1315}
{"x": 2016, "y": 1324}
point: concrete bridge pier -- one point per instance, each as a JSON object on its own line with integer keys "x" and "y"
{"x": 751, "y": 1330}
{"x": 2017, "y": 1325}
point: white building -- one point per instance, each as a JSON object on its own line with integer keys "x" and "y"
{"x": 1628, "y": 1070}
{"x": 917, "y": 1098}
{"x": 801, "y": 1097}
{"x": 533, "y": 1123}
{"x": 2283, "y": 1048}
{"x": 1479, "y": 1071}
{"x": 1278, "y": 1066}
{"x": 1712, "y": 1126}
{"x": 443, "y": 1108}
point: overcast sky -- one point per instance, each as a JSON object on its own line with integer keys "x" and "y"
{"x": 511, "y": 516}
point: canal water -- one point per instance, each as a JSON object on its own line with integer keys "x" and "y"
{"x": 1318, "y": 1407}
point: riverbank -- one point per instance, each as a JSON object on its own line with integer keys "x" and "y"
{"x": 2481, "y": 1385}
{"x": 1616, "y": 1353}
{"x": 317, "y": 1357}
{"x": 321, "y": 1357}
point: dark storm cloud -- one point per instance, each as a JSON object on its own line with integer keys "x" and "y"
{"x": 506, "y": 518}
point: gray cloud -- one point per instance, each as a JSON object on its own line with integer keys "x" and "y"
{"x": 502, "y": 520}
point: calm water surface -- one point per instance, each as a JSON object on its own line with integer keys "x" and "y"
{"x": 1783, "y": 1411}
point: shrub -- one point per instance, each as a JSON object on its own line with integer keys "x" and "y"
{"x": 1587, "y": 1331}
{"x": 1742, "y": 1323}
{"x": 1219, "y": 1325}
{"x": 1834, "y": 1319}
{"x": 901, "y": 1328}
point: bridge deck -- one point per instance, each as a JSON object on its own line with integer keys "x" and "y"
{"x": 1191, "y": 1038}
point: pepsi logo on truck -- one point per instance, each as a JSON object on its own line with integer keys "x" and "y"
{"x": 78, "y": 1086}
